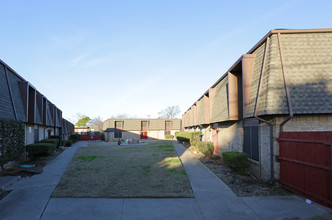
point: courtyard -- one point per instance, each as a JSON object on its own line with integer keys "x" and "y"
{"x": 31, "y": 198}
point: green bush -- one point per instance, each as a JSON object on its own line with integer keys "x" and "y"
{"x": 12, "y": 136}
{"x": 182, "y": 136}
{"x": 74, "y": 137}
{"x": 195, "y": 138}
{"x": 63, "y": 143}
{"x": 50, "y": 141}
{"x": 40, "y": 149}
{"x": 192, "y": 137}
{"x": 169, "y": 136}
{"x": 68, "y": 143}
{"x": 102, "y": 136}
{"x": 58, "y": 137}
{"x": 237, "y": 161}
{"x": 205, "y": 147}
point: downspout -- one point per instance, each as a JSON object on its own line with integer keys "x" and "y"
{"x": 266, "y": 50}
{"x": 289, "y": 101}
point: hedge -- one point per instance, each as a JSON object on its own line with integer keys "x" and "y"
{"x": 50, "y": 141}
{"x": 182, "y": 136}
{"x": 67, "y": 143}
{"x": 169, "y": 136}
{"x": 237, "y": 161}
{"x": 58, "y": 137}
{"x": 205, "y": 147}
{"x": 40, "y": 149}
{"x": 195, "y": 137}
{"x": 74, "y": 137}
{"x": 192, "y": 137}
{"x": 102, "y": 136}
{"x": 12, "y": 136}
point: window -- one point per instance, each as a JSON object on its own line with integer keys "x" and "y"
{"x": 118, "y": 129}
{"x": 250, "y": 145}
{"x": 168, "y": 127}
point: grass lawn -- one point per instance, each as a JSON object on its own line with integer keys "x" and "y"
{"x": 103, "y": 170}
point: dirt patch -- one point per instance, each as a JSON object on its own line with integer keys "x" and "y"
{"x": 241, "y": 185}
{"x": 37, "y": 166}
{"x": 103, "y": 170}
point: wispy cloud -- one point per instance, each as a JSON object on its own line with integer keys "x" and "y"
{"x": 77, "y": 60}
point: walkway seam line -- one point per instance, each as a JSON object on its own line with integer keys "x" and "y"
{"x": 46, "y": 204}
{"x": 123, "y": 201}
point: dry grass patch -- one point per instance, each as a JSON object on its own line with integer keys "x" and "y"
{"x": 103, "y": 170}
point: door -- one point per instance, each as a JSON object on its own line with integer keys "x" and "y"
{"x": 215, "y": 140}
{"x": 36, "y": 135}
{"x": 144, "y": 130}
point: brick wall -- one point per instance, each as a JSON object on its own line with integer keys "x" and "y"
{"x": 29, "y": 134}
{"x": 230, "y": 137}
{"x": 261, "y": 169}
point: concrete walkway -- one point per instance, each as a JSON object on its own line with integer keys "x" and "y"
{"x": 30, "y": 199}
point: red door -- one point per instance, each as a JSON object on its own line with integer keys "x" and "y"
{"x": 144, "y": 130}
{"x": 215, "y": 140}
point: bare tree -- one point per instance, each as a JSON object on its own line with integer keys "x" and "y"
{"x": 123, "y": 115}
{"x": 97, "y": 122}
{"x": 169, "y": 112}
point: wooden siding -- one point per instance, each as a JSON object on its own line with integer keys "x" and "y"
{"x": 194, "y": 109}
{"x": 132, "y": 125}
{"x": 158, "y": 124}
{"x": 6, "y": 109}
{"x": 176, "y": 124}
{"x": 255, "y": 80}
{"x": 206, "y": 109}
{"x": 307, "y": 57}
{"x": 135, "y": 124}
{"x": 39, "y": 109}
{"x": 308, "y": 66}
{"x": 20, "y": 100}
{"x": 220, "y": 105}
{"x": 200, "y": 111}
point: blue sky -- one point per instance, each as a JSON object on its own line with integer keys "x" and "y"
{"x": 104, "y": 58}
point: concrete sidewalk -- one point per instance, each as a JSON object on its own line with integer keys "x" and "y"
{"x": 30, "y": 196}
{"x": 217, "y": 201}
{"x": 30, "y": 199}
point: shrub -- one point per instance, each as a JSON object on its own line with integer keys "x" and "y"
{"x": 205, "y": 147}
{"x": 63, "y": 143}
{"x": 169, "y": 136}
{"x": 74, "y": 137}
{"x": 50, "y": 141}
{"x": 237, "y": 161}
{"x": 12, "y": 137}
{"x": 195, "y": 138}
{"x": 40, "y": 149}
{"x": 68, "y": 143}
{"x": 102, "y": 136}
{"x": 192, "y": 137}
{"x": 182, "y": 136}
{"x": 58, "y": 137}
